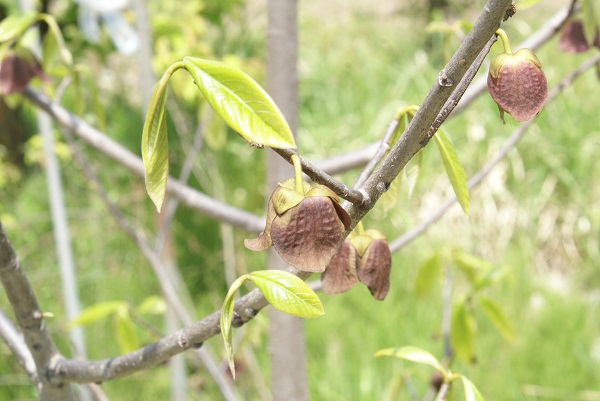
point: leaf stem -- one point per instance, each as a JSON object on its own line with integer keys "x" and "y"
{"x": 504, "y": 38}
{"x": 298, "y": 173}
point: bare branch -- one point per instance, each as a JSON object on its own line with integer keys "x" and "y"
{"x": 186, "y": 195}
{"x": 14, "y": 340}
{"x": 32, "y": 322}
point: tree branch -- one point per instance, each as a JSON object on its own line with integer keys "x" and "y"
{"x": 13, "y": 339}
{"x": 422, "y": 127}
{"x": 186, "y": 195}
{"x": 414, "y": 233}
{"x": 32, "y": 322}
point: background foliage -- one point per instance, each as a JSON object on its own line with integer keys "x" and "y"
{"x": 536, "y": 218}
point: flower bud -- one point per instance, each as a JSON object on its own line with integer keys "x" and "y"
{"x": 517, "y": 84}
{"x": 306, "y": 229}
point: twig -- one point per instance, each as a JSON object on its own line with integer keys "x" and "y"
{"x": 32, "y": 322}
{"x": 414, "y": 233}
{"x": 318, "y": 176}
{"x": 13, "y": 339}
{"x": 384, "y": 146}
{"x": 441, "y": 395}
{"x": 419, "y": 132}
{"x": 101, "y": 142}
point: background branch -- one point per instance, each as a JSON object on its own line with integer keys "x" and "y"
{"x": 15, "y": 343}
{"x": 101, "y": 142}
{"x": 32, "y": 322}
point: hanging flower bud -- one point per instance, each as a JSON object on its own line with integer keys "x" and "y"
{"x": 375, "y": 262}
{"x": 306, "y": 229}
{"x": 572, "y": 39}
{"x": 516, "y": 82}
{"x": 366, "y": 257}
{"x": 17, "y": 70}
{"x": 340, "y": 275}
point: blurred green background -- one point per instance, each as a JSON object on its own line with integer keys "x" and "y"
{"x": 536, "y": 218}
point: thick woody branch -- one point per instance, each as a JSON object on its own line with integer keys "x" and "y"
{"x": 31, "y": 321}
{"x": 186, "y": 195}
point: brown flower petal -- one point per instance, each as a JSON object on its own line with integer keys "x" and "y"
{"x": 16, "y": 72}
{"x": 374, "y": 268}
{"x": 264, "y": 239}
{"x": 340, "y": 275}
{"x": 309, "y": 235}
{"x": 572, "y": 39}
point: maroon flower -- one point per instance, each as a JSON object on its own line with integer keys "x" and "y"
{"x": 17, "y": 70}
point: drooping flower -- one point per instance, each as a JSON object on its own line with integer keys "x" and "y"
{"x": 572, "y": 38}
{"x": 516, "y": 82}
{"x": 364, "y": 257}
{"x": 16, "y": 70}
{"x": 306, "y": 229}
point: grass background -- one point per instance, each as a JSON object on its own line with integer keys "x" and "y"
{"x": 537, "y": 216}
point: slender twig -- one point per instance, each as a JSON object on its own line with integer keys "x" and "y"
{"x": 32, "y": 322}
{"x": 414, "y": 233}
{"x": 16, "y": 344}
{"x": 441, "y": 395}
{"x": 318, "y": 176}
{"x": 384, "y": 146}
{"x": 104, "y": 144}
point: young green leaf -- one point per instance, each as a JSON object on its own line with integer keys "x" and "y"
{"x": 428, "y": 275}
{"x": 389, "y": 199}
{"x": 454, "y": 169}
{"x": 14, "y": 25}
{"x": 126, "y": 332}
{"x": 462, "y": 331}
{"x": 414, "y": 354}
{"x": 155, "y": 147}
{"x": 591, "y": 19}
{"x": 152, "y": 305}
{"x": 287, "y": 293}
{"x": 96, "y": 312}
{"x": 241, "y": 103}
{"x": 226, "y": 316}
{"x": 473, "y": 267}
{"x": 497, "y": 317}
{"x": 412, "y": 170}
{"x": 471, "y": 392}
{"x": 54, "y": 42}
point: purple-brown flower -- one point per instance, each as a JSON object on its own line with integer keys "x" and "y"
{"x": 16, "y": 70}
{"x": 306, "y": 229}
{"x": 363, "y": 257}
{"x": 517, "y": 84}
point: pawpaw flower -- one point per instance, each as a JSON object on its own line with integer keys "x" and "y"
{"x": 517, "y": 83}
{"x": 572, "y": 38}
{"x": 306, "y": 228}
{"x": 16, "y": 70}
{"x": 363, "y": 257}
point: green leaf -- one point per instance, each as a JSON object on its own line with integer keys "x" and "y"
{"x": 241, "y": 103}
{"x": 96, "y": 312}
{"x": 471, "y": 266}
{"x": 226, "y": 316}
{"x": 412, "y": 170}
{"x": 126, "y": 331}
{"x": 389, "y": 199}
{"x": 287, "y": 293}
{"x": 462, "y": 331}
{"x": 54, "y": 42}
{"x": 591, "y": 19}
{"x": 497, "y": 317}
{"x": 454, "y": 169}
{"x": 155, "y": 147}
{"x": 153, "y": 305}
{"x": 14, "y": 25}
{"x": 414, "y": 354}
{"x": 428, "y": 275}
{"x": 471, "y": 392}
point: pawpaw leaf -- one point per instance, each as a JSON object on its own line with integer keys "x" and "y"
{"x": 471, "y": 392}
{"x": 287, "y": 293}
{"x": 495, "y": 314}
{"x": 241, "y": 103}
{"x": 414, "y": 354}
{"x": 454, "y": 169}
{"x": 96, "y": 312}
{"x": 14, "y": 25}
{"x": 155, "y": 147}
